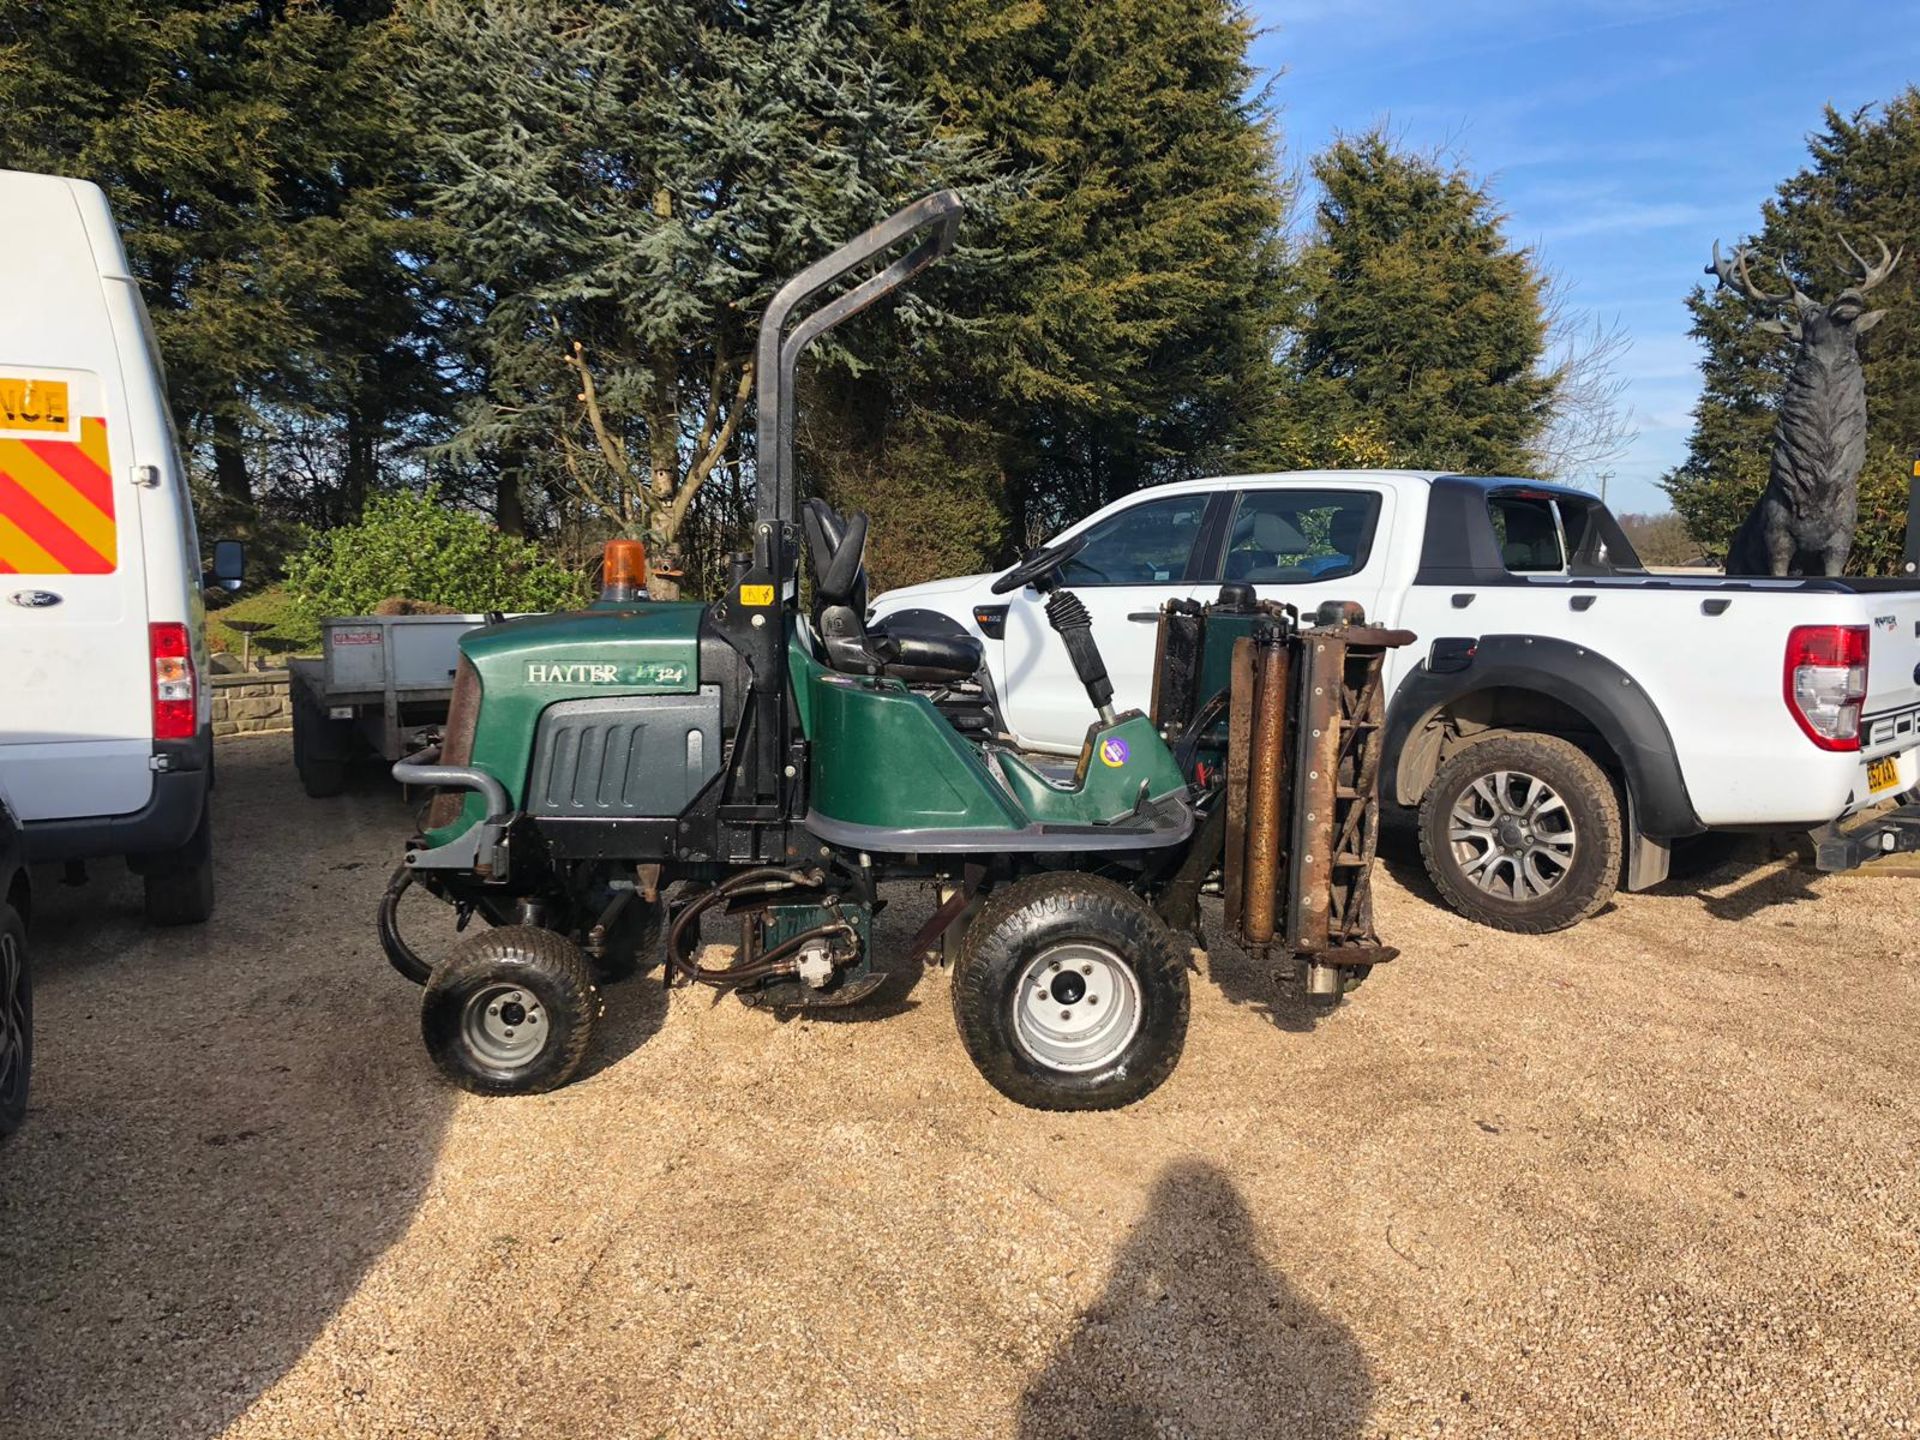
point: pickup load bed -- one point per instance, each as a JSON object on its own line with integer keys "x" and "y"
{"x": 1566, "y": 714}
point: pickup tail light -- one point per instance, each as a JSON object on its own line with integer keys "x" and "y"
{"x": 173, "y": 682}
{"x": 1826, "y": 682}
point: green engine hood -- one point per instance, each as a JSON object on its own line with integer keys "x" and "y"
{"x": 528, "y": 664}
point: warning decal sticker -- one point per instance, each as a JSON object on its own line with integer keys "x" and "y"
{"x": 56, "y": 503}
{"x": 33, "y": 404}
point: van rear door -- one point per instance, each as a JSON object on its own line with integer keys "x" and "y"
{"x": 76, "y": 717}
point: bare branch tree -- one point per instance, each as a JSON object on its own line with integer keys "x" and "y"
{"x": 1589, "y": 422}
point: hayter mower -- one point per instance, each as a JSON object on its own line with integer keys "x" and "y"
{"x": 614, "y": 781}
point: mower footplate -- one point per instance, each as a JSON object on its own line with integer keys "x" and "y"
{"x": 796, "y": 995}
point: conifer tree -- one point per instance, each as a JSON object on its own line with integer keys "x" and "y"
{"x": 1128, "y": 337}
{"x": 623, "y": 185}
{"x": 253, "y": 160}
{"x": 1418, "y": 329}
{"x": 1863, "y": 180}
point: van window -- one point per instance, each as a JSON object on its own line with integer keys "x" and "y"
{"x": 1295, "y": 537}
{"x": 1559, "y": 535}
{"x": 1145, "y": 544}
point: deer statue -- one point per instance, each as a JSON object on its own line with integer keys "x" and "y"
{"x": 1802, "y": 524}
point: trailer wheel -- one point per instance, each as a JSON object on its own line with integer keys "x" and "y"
{"x": 16, "y": 1020}
{"x": 322, "y": 747}
{"x": 510, "y": 1011}
{"x": 178, "y": 887}
{"x": 1071, "y": 993}
{"x": 1522, "y": 832}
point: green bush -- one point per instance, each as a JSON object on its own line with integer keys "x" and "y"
{"x": 288, "y": 632}
{"x": 416, "y": 547}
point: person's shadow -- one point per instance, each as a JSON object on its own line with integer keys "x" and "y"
{"x": 1197, "y": 1336}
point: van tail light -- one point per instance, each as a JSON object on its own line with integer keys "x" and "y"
{"x": 173, "y": 682}
{"x": 1826, "y": 682}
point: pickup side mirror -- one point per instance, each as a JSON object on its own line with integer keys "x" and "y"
{"x": 229, "y": 564}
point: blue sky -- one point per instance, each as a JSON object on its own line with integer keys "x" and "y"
{"x": 1621, "y": 137}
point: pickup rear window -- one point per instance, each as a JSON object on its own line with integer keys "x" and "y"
{"x": 1541, "y": 534}
{"x": 1295, "y": 537}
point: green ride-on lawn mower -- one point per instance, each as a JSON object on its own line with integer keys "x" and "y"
{"x": 611, "y": 779}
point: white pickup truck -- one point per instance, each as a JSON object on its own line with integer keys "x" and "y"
{"x": 1565, "y": 716}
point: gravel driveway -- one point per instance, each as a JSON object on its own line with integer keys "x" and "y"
{"x": 1655, "y": 1177}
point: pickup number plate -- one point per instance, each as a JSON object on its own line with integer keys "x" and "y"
{"x": 1883, "y": 774}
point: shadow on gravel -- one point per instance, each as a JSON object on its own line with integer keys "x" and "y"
{"x": 636, "y": 1009}
{"x": 1197, "y": 1336}
{"x": 1267, "y": 987}
{"x": 230, "y": 1122}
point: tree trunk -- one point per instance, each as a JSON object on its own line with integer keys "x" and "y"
{"x": 509, "y": 506}
{"x": 358, "y": 477}
{"x": 230, "y": 458}
{"x": 663, "y": 464}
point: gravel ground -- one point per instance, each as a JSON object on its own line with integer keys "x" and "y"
{"x": 1655, "y": 1177}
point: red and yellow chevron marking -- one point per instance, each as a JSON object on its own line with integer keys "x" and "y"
{"x": 56, "y": 505}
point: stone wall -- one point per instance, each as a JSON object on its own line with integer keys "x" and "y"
{"x": 251, "y": 703}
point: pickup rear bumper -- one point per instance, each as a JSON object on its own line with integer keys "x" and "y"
{"x": 1893, "y": 833}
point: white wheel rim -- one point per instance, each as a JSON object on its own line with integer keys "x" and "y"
{"x": 1512, "y": 835}
{"x": 1076, "y": 1007}
{"x": 506, "y": 1025}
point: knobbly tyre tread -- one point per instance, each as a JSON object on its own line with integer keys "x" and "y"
{"x": 539, "y": 960}
{"x": 1578, "y": 777}
{"x": 1065, "y": 905}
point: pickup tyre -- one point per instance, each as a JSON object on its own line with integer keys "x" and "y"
{"x": 1522, "y": 832}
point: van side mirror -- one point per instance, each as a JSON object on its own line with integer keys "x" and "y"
{"x": 229, "y": 564}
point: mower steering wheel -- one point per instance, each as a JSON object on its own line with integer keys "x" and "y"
{"x": 1038, "y": 564}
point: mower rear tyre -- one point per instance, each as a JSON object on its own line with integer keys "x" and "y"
{"x": 1071, "y": 993}
{"x": 510, "y": 1011}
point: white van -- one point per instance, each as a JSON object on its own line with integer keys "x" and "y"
{"x": 106, "y": 740}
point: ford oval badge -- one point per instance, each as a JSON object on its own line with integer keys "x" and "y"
{"x": 1916, "y": 674}
{"x": 34, "y": 599}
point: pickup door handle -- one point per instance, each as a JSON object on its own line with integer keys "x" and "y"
{"x": 1146, "y": 617}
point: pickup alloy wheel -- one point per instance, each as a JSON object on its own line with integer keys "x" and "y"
{"x": 1522, "y": 832}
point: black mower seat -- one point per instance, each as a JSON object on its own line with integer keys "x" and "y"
{"x": 900, "y": 650}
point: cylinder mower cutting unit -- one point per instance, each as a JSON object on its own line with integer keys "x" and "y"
{"x": 612, "y": 782}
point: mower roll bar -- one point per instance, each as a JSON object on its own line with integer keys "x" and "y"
{"x": 775, "y": 359}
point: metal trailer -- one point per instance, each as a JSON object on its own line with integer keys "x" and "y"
{"x": 380, "y": 683}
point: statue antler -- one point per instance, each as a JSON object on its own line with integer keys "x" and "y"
{"x": 1732, "y": 271}
{"x": 1872, "y": 275}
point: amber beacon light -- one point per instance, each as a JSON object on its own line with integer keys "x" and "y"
{"x": 623, "y": 571}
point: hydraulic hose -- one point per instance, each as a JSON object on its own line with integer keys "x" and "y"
{"x": 400, "y": 955}
{"x": 775, "y": 961}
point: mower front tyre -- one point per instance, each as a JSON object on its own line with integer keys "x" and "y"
{"x": 510, "y": 1011}
{"x": 1071, "y": 993}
